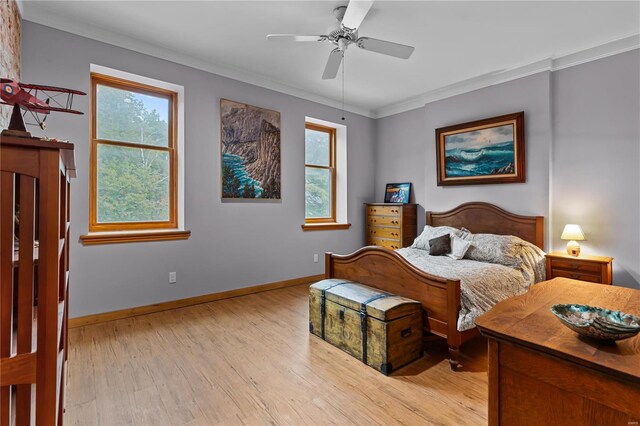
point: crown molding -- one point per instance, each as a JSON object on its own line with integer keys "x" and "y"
{"x": 464, "y": 86}
{"x": 611, "y": 48}
{"x": 621, "y": 45}
{"x": 95, "y": 33}
{"x": 614, "y": 47}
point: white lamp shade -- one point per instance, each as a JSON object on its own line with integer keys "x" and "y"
{"x": 572, "y": 232}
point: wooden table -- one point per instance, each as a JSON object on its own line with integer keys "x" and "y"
{"x": 540, "y": 372}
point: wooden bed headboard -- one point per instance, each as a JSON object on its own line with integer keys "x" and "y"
{"x": 485, "y": 218}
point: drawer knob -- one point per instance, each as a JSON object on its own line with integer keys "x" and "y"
{"x": 575, "y": 265}
{"x": 575, "y": 276}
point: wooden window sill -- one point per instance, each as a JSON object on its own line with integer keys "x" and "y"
{"x": 324, "y": 226}
{"x": 133, "y": 237}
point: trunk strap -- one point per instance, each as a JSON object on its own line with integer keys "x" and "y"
{"x": 323, "y": 303}
{"x": 363, "y": 321}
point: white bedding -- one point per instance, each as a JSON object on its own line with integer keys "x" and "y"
{"x": 482, "y": 284}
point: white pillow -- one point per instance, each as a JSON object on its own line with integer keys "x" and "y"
{"x": 459, "y": 247}
{"x": 465, "y": 233}
{"x": 431, "y": 232}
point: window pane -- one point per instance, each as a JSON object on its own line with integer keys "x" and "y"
{"x": 127, "y": 116}
{"x": 317, "y": 192}
{"x": 317, "y": 147}
{"x": 133, "y": 184}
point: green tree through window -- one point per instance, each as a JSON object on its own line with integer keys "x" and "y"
{"x": 319, "y": 174}
{"x": 133, "y": 150}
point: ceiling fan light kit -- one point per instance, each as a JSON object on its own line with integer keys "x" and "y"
{"x": 344, "y": 33}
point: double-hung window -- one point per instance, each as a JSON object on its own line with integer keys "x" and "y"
{"x": 133, "y": 165}
{"x": 320, "y": 174}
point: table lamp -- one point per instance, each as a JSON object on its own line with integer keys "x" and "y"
{"x": 573, "y": 233}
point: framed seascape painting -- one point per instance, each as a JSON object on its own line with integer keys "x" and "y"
{"x": 250, "y": 149}
{"x": 397, "y": 193}
{"x": 484, "y": 151}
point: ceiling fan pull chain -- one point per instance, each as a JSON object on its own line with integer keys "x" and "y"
{"x": 344, "y": 64}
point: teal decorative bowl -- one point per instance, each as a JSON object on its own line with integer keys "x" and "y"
{"x": 597, "y": 323}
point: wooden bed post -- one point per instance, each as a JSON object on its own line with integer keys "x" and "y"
{"x": 328, "y": 265}
{"x": 453, "y": 336}
{"x": 539, "y": 232}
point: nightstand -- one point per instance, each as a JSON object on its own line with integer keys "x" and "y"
{"x": 595, "y": 269}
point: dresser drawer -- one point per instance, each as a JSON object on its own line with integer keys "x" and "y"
{"x": 576, "y": 275}
{"x": 377, "y": 231}
{"x": 384, "y": 221}
{"x": 576, "y": 266}
{"x": 384, "y": 210}
{"x": 390, "y": 225}
{"x": 382, "y": 242}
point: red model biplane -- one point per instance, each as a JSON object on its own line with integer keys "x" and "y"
{"x": 29, "y": 97}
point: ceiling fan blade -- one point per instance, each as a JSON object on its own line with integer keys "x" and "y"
{"x": 385, "y": 47}
{"x": 355, "y": 13}
{"x": 333, "y": 65}
{"x": 295, "y": 37}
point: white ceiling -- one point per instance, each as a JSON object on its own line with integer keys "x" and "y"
{"x": 455, "y": 41}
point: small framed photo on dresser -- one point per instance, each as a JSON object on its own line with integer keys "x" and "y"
{"x": 397, "y": 193}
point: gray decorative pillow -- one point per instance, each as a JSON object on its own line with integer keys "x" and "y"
{"x": 491, "y": 248}
{"x": 440, "y": 246}
{"x": 431, "y": 232}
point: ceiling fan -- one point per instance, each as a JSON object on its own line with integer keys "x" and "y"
{"x": 345, "y": 33}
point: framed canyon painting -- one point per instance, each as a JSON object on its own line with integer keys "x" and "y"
{"x": 10, "y": 36}
{"x": 480, "y": 152}
{"x": 250, "y": 149}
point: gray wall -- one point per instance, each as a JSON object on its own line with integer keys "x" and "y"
{"x": 410, "y": 136}
{"x": 232, "y": 245}
{"x": 583, "y": 154}
{"x": 400, "y": 155}
{"x": 596, "y": 159}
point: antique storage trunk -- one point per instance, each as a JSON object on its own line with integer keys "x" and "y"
{"x": 381, "y": 329}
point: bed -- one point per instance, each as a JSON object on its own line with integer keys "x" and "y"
{"x": 440, "y": 297}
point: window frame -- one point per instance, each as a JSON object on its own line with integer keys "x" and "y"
{"x": 171, "y": 148}
{"x": 332, "y": 168}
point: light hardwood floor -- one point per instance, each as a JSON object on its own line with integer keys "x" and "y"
{"x": 251, "y": 360}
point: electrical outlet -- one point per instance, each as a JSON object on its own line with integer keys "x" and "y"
{"x": 172, "y": 278}
{"x": 315, "y": 258}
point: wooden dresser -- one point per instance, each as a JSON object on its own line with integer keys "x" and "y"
{"x": 542, "y": 373}
{"x": 391, "y": 225}
{"x": 34, "y": 257}
{"x": 595, "y": 269}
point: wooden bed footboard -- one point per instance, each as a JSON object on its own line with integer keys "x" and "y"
{"x": 386, "y": 270}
